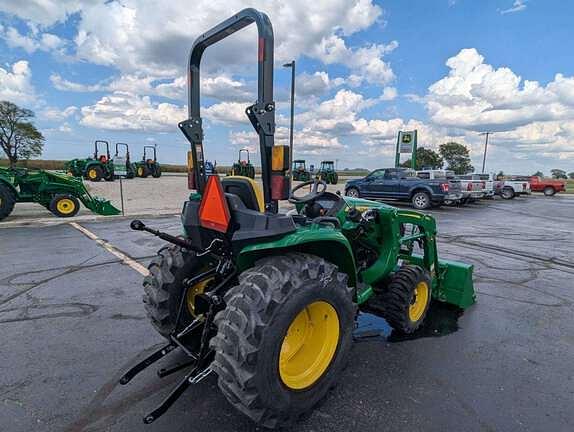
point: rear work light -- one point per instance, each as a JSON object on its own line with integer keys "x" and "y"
{"x": 444, "y": 187}
{"x": 213, "y": 210}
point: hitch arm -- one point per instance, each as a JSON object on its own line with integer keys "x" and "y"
{"x": 138, "y": 225}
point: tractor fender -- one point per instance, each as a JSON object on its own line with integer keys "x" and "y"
{"x": 320, "y": 240}
{"x": 9, "y": 181}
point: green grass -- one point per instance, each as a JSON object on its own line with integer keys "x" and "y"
{"x": 570, "y": 186}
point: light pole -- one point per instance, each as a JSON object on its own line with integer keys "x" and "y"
{"x": 292, "y": 66}
{"x": 485, "y": 147}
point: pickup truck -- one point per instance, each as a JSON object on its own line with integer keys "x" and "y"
{"x": 482, "y": 183}
{"x": 472, "y": 189}
{"x": 548, "y": 186}
{"x": 511, "y": 187}
{"x": 453, "y": 183}
{"x": 402, "y": 184}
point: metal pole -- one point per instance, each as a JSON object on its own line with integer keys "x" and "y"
{"x": 122, "y": 195}
{"x": 292, "y": 66}
{"x": 485, "y": 147}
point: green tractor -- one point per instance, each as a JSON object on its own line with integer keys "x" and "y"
{"x": 148, "y": 166}
{"x": 268, "y": 301}
{"x": 327, "y": 173}
{"x": 243, "y": 167}
{"x": 59, "y": 193}
{"x": 95, "y": 168}
{"x": 124, "y": 160}
{"x": 300, "y": 172}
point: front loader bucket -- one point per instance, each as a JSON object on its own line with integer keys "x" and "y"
{"x": 455, "y": 284}
{"x": 101, "y": 206}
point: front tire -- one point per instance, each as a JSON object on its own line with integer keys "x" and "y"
{"x": 549, "y": 191}
{"x": 507, "y": 193}
{"x": 64, "y": 206}
{"x": 94, "y": 174}
{"x": 283, "y": 337}
{"x": 353, "y": 192}
{"x": 156, "y": 172}
{"x": 421, "y": 200}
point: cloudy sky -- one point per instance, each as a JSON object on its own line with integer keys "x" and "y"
{"x": 115, "y": 70}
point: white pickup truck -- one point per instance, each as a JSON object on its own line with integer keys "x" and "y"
{"x": 483, "y": 181}
{"x": 472, "y": 189}
{"x": 455, "y": 193}
{"x": 511, "y": 187}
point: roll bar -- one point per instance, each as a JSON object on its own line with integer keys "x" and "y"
{"x": 96, "y": 148}
{"x": 127, "y": 149}
{"x": 244, "y": 150}
{"x": 261, "y": 114}
{"x": 154, "y": 152}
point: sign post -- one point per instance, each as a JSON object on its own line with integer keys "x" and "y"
{"x": 406, "y": 143}
{"x": 121, "y": 171}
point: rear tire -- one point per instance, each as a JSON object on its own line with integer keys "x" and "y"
{"x": 7, "y": 200}
{"x": 549, "y": 191}
{"x": 421, "y": 200}
{"x": 163, "y": 287}
{"x": 64, "y": 206}
{"x": 507, "y": 193}
{"x": 252, "y": 359}
{"x": 94, "y": 174}
{"x": 402, "y": 302}
{"x": 353, "y": 192}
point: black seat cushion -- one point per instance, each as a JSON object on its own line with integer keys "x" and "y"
{"x": 243, "y": 189}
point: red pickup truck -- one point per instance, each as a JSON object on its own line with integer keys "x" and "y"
{"x": 548, "y": 186}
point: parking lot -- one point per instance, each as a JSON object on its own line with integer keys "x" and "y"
{"x": 72, "y": 321}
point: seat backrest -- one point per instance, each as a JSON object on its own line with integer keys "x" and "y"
{"x": 246, "y": 189}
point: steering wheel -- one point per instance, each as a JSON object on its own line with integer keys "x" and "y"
{"x": 314, "y": 194}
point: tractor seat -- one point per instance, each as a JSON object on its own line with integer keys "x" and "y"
{"x": 248, "y": 191}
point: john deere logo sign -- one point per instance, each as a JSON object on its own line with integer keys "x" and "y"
{"x": 406, "y": 142}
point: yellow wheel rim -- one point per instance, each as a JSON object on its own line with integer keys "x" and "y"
{"x": 92, "y": 174}
{"x": 309, "y": 345}
{"x": 419, "y": 302}
{"x": 65, "y": 206}
{"x": 194, "y": 291}
{"x": 140, "y": 171}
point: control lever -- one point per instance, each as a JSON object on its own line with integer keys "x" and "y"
{"x": 138, "y": 225}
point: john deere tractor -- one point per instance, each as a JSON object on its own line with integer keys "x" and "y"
{"x": 95, "y": 168}
{"x": 300, "y": 172}
{"x": 124, "y": 160}
{"x": 327, "y": 172}
{"x": 148, "y": 166}
{"x": 268, "y": 301}
{"x": 61, "y": 194}
{"x": 243, "y": 167}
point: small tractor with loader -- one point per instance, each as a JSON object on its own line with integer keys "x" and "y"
{"x": 299, "y": 171}
{"x": 124, "y": 160}
{"x": 59, "y": 193}
{"x": 243, "y": 167}
{"x": 327, "y": 173}
{"x": 268, "y": 301}
{"x": 95, "y": 168}
{"x": 148, "y": 166}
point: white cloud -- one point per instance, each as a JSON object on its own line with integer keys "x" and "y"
{"x": 32, "y": 42}
{"x": 517, "y": 6}
{"x": 55, "y": 114}
{"x": 126, "y": 111}
{"x": 226, "y": 113}
{"x": 44, "y": 12}
{"x": 16, "y": 85}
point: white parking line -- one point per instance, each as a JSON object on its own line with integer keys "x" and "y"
{"x": 111, "y": 249}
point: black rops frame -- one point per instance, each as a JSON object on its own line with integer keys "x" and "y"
{"x": 127, "y": 149}
{"x": 261, "y": 114}
{"x": 154, "y": 152}
{"x": 96, "y": 148}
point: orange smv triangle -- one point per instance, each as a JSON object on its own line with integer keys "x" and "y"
{"x": 213, "y": 210}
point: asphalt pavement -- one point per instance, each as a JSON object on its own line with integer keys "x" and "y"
{"x": 72, "y": 321}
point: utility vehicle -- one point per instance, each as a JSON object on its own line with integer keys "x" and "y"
{"x": 327, "y": 172}
{"x": 243, "y": 167}
{"x": 299, "y": 171}
{"x": 268, "y": 301}
{"x": 95, "y": 168}
{"x": 148, "y": 166}
{"x": 59, "y": 193}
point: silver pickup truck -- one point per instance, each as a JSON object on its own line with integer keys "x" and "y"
{"x": 455, "y": 194}
{"x": 479, "y": 185}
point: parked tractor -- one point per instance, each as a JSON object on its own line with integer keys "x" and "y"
{"x": 327, "y": 172}
{"x": 299, "y": 171}
{"x": 124, "y": 160}
{"x": 243, "y": 167}
{"x": 95, "y": 168}
{"x": 148, "y": 166}
{"x": 268, "y": 301}
{"x": 59, "y": 193}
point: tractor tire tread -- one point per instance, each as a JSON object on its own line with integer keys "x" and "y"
{"x": 8, "y": 201}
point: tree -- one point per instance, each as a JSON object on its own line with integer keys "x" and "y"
{"x": 19, "y": 138}
{"x": 457, "y": 157}
{"x": 571, "y": 175}
{"x": 500, "y": 175}
{"x": 426, "y": 158}
{"x": 558, "y": 174}
{"x": 538, "y": 174}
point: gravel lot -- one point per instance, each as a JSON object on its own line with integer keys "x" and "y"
{"x": 71, "y": 321}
